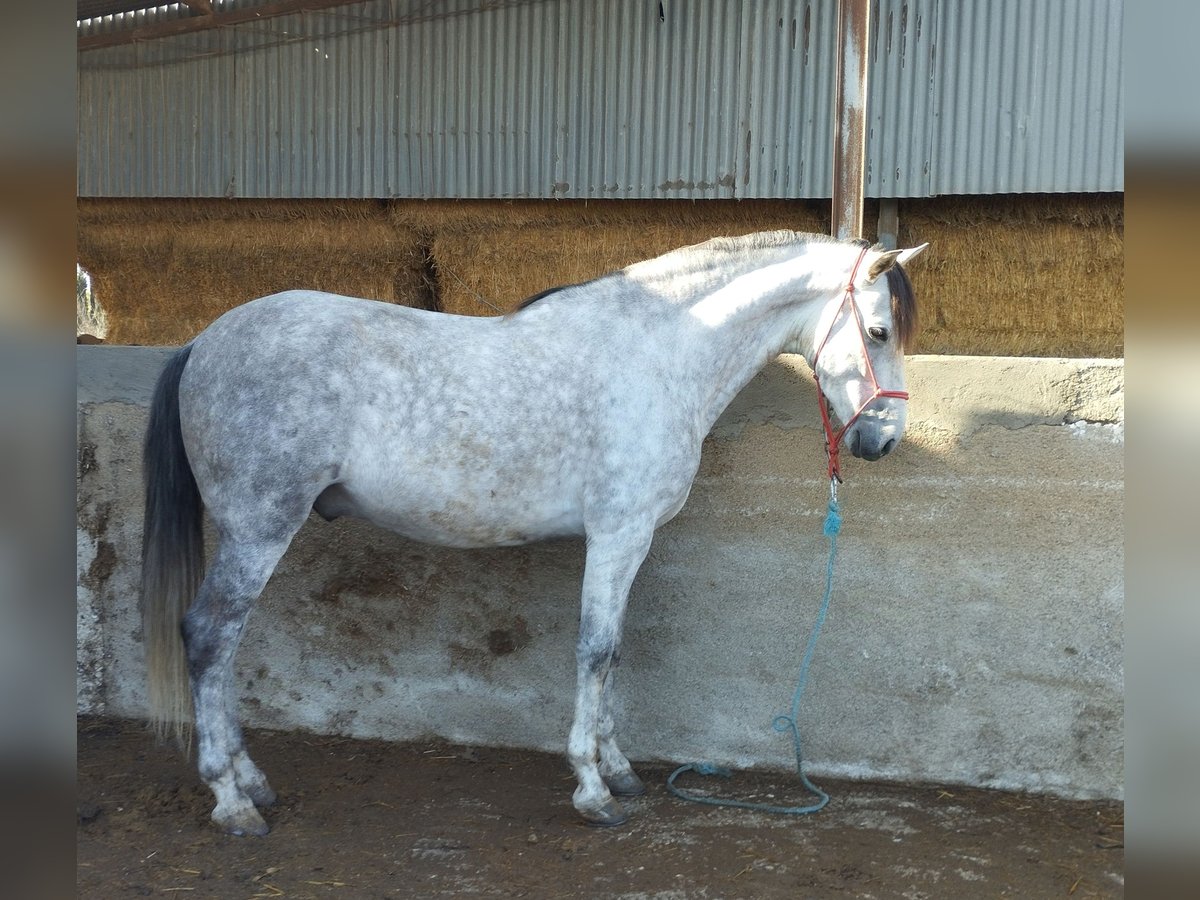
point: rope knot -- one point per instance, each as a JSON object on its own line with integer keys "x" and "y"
{"x": 833, "y": 520}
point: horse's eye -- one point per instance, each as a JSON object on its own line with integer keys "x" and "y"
{"x": 878, "y": 333}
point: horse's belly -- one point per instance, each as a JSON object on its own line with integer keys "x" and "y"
{"x": 453, "y": 529}
{"x": 458, "y": 521}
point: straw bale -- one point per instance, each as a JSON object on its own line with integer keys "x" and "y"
{"x": 468, "y": 216}
{"x": 162, "y": 282}
{"x": 1006, "y": 275}
{"x": 111, "y": 210}
{"x": 1019, "y": 276}
{"x": 493, "y": 268}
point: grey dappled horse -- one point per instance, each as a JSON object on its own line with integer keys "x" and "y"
{"x": 580, "y": 414}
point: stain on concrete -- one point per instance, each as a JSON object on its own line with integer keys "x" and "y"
{"x": 102, "y": 567}
{"x": 352, "y": 628}
{"x": 503, "y": 641}
{"x": 1094, "y": 727}
{"x": 364, "y": 582}
{"x": 87, "y": 458}
{"x": 468, "y": 659}
{"x": 94, "y": 520}
{"x": 476, "y": 655}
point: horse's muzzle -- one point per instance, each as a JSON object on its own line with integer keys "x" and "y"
{"x": 870, "y": 446}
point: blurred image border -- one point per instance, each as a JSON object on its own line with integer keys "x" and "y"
{"x": 37, "y": 226}
{"x": 37, "y": 448}
{"x": 1162, "y": 488}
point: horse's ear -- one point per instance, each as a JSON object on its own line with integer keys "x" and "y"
{"x": 890, "y": 258}
{"x": 882, "y": 263}
{"x": 907, "y": 256}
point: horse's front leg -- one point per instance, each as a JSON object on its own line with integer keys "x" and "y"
{"x": 615, "y": 769}
{"x": 613, "y": 560}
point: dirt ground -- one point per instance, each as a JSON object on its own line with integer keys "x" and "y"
{"x": 367, "y": 819}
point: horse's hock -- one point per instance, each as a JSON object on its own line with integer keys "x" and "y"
{"x": 975, "y": 635}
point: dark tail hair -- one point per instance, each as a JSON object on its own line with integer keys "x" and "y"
{"x": 172, "y": 555}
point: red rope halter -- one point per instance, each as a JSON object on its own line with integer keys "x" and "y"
{"x": 833, "y": 440}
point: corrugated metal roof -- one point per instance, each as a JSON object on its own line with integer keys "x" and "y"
{"x": 606, "y": 98}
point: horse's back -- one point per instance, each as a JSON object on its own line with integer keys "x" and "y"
{"x": 305, "y": 321}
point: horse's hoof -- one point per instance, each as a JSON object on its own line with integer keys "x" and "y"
{"x": 607, "y": 816}
{"x": 262, "y": 796}
{"x": 626, "y": 784}
{"x": 246, "y": 823}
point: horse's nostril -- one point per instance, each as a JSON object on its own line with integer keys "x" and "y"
{"x": 887, "y": 448}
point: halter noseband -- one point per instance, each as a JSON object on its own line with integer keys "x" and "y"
{"x": 833, "y": 440}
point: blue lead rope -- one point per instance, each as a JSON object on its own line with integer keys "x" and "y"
{"x": 782, "y": 723}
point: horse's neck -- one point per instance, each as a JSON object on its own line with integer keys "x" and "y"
{"x": 750, "y": 315}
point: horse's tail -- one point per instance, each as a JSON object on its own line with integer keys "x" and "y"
{"x": 172, "y": 555}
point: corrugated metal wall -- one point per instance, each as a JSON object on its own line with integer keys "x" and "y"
{"x": 1032, "y": 97}
{"x": 606, "y": 98}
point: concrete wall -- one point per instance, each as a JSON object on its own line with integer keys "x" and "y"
{"x": 975, "y": 634}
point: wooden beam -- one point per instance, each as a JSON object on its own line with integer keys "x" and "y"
{"x": 202, "y": 22}
{"x": 850, "y": 125}
{"x": 889, "y": 222}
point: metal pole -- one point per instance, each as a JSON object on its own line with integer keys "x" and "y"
{"x": 850, "y": 108}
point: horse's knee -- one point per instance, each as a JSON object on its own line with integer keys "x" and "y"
{"x": 597, "y": 655}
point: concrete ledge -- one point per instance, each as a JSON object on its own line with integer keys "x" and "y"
{"x": 975, "y": 635}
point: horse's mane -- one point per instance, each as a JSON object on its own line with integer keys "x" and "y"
{"x": 759, "y": 240}
{"x": 529, "y": 301}
{"x": 904, "y": 302}
{"x": 754, "y": 241}
{"x": 904, "y": 306}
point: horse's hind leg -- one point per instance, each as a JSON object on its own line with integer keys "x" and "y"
{"x": 212, "y": 630}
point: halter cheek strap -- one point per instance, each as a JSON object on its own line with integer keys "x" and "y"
{"x": 833, "y": 440}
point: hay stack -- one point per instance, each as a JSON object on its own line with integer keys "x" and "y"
{"x": 1013, "y": 276}
{"x": 163, "y": 272}
{"x": 1006, "y": 275}
{"x": 1019, "y": 276}
{"x": 488, "y": 260}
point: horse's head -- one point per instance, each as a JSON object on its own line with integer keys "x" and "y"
{"x": 858, "y": 356}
